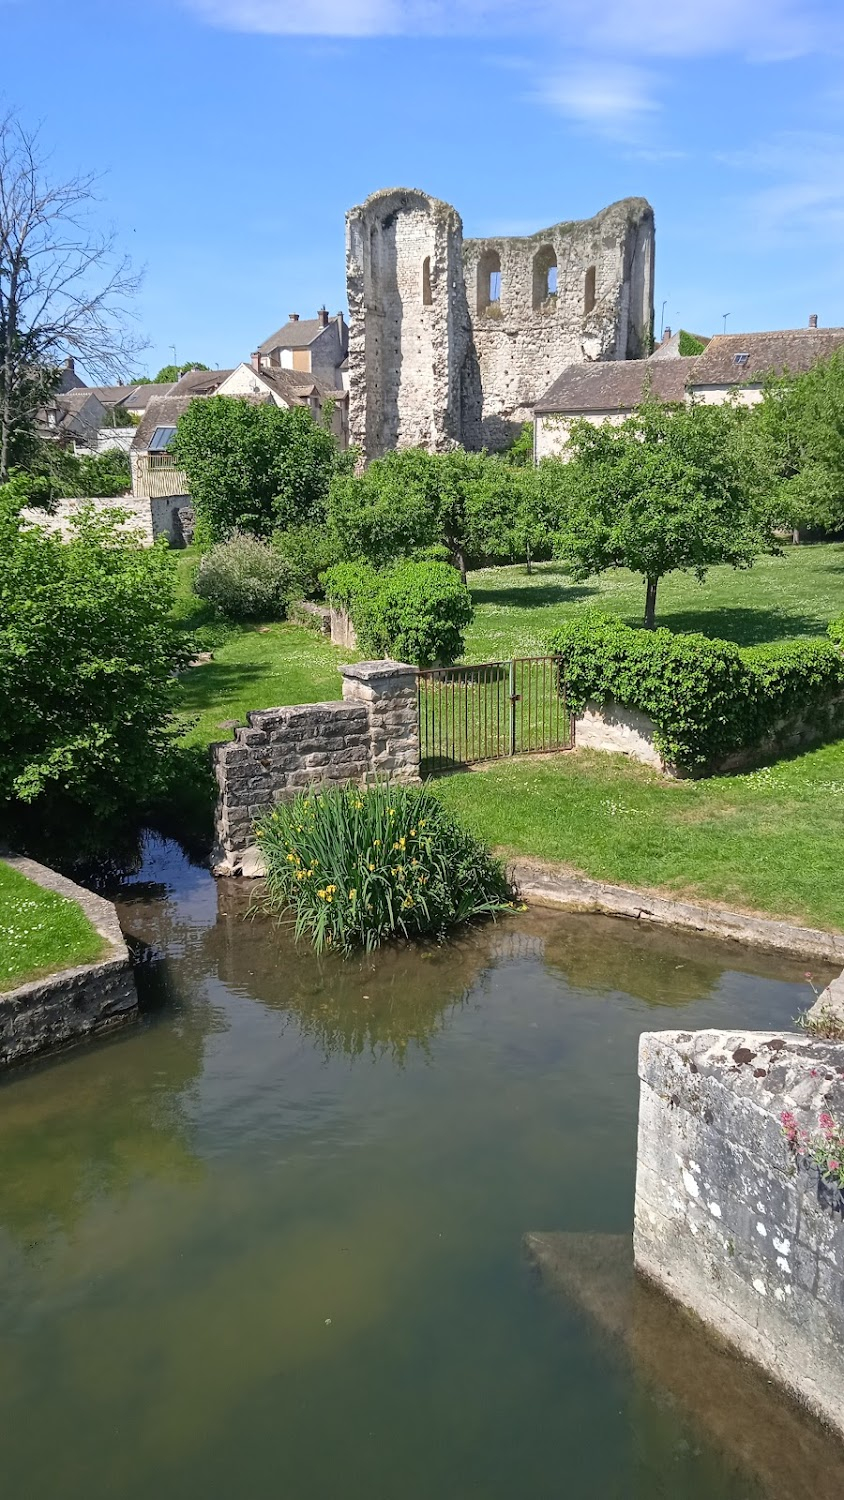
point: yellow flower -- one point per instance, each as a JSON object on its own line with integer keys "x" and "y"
{"x": 314, "y": 864}
{"x": 290, "y": 860}
{"x": 329, "y": 899}
{"x": 391, "y": 811}
{"x": 408, "y": 901}
{"x": 331, "y": 889}
{"x": 421, "y": 822}
{"x": 376, "y": 843}
{"x": 413, "y": 833}
{"x": 372, "y": 867}
{"x": 358, "y": 804}
{"x": 352, "y": 894}
{"x": 322, "y": 894}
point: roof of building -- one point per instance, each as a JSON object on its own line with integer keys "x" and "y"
{"x": 164, "y": 412}
{"x": 200, "y": 382}
{"x": 296, "y": 333}
{"x": 616, "y": 385}
{"x": 791, "y": 349}
{"x": 670, "y": 346}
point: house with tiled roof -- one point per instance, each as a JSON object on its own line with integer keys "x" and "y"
{"x": 310, "y": 346}
{"x": 289, "y": 387}
{"x": 731, "y": 366}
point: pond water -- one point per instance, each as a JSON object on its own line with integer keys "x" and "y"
{"x": 271, "y": 1240}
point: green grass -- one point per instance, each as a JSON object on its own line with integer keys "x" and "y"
{"x": 253, "y": 666}
{"x": 40, "y": 932}
{"x": 780, "y": 598}
{"x": 770, "y": 841}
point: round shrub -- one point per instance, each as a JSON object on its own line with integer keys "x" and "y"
{"x": 244, "y": 579}
{"x": 357, "y": 866}
{"x": 415, "y": 611}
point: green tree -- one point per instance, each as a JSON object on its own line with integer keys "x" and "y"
{"x": 88, "y": 652}
{"x": 255, "y": 467}
{"x": 409, "y": 502}
{"x": 54, "y": 473}
{"x": 800, "y": 426}
{"x": 672, "y": 487}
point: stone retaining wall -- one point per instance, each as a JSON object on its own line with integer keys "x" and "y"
{"x": 615, "y": 728}
{"x": 374, "y": 731}
{"x": 74, "y": 1004}
{"x": 728, "y": 1221}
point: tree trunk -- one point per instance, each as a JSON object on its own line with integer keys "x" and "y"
{"x": 529, "y": 567}
{"x": 650, "y": 603}
{"x": 795, "y": 536}
{"x": 460, "y": 561}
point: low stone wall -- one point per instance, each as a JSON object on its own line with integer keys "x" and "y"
{"x": 74, "y": 1004}
{"x": 612, "y": 727}
{"x": 150, "y": 518}
{"x": 727, "y": 1220}
{"x": 313, "y": 616}
{"x": 374, "y": 731}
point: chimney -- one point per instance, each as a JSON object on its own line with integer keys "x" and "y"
{"x": 256, "y": 360}
{"x": 69, "y": 365}
{"x": 323, "y": 317}
{"x": 813, "y": 320}
{"x": 294, "y": 317}
{"x": 666, "y": 336}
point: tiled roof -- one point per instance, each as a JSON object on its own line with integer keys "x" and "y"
{"x": 616, "y": 385}
{"x": 200, "y": 382}
{"x": 164, "y": 412}
{"x": 791, "y": 349}
{"x": 298, "y": 335}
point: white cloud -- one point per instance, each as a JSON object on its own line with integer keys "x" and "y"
{"x": 615, "y": 98}
{"x": 664, "y": 28}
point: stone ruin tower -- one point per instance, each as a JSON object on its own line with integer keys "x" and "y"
{"x": 453, "y": 341}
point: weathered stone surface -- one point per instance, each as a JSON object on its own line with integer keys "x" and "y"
{"x": 554, "y": 885}
{"x": 726, "y": 1221}
{"x": 434, "y": 361}
{"x": 76, "y": 1003}
{"x": 374, "y": 729}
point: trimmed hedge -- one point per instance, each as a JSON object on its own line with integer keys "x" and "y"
{"x": 415, "y": 611}
{"x": 707, "y": 699}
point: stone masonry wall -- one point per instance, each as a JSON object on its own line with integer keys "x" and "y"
{"x": 374, "y": 731}
{"x": 727, "y": 1221}
{"x": 74, "y": 1004}
{"x": 433, "y": 362}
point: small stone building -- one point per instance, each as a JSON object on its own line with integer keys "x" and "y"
{"x": 604, "y": 392}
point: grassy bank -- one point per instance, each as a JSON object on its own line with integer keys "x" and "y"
{"x": 40, "y": 932}
{"x": 771, "y": 841}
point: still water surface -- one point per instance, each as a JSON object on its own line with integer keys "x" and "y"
{"x": 270, "y": 1242}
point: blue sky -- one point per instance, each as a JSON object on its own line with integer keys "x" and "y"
{"x": 234, "y": 134}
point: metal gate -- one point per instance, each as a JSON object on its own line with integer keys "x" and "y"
{"x": 498, "y": 708}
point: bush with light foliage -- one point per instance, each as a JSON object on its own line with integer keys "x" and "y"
{"x": 244, "y": 579}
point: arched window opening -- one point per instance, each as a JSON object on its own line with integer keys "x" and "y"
{"x": 544, "y": 275}
{"x": 489, "y": 282}
{"x": 427, "y": 295}
{"x": 589, "y": 291}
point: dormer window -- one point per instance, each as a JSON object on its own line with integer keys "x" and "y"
{"x": 161, "y": 439}
{"x": 741, "y": 359}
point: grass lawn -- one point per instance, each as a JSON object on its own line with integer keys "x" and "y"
{"x": 779, "y": 598}
{"x": 771, "y": 841}
{"x": 40, "y": 931}
{"x": 253, "y": 666}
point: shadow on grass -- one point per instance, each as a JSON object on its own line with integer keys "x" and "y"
{"x": 216, "y": 682}
{"x": 745, "y": 626}
{"x": 532, "y": 596}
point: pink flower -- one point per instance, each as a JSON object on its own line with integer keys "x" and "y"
{"x": 833, "y": 1166}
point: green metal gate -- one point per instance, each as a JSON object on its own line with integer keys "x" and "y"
{"x": 495, "y": 709}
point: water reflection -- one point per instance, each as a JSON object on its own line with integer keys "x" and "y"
{"x": 269, "y": 1241}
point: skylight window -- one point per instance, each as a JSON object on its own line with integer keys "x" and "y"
{"x": 161, "y": 439}
{"x": 741, "y": 359}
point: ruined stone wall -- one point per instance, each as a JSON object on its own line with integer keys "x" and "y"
{"x": 728, "y": 1221}
{"x": 374, "y": 731}
{"x": 409, "y": 328}
{"x": 435, "y": 359}
{"x": 601, "y": 309}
